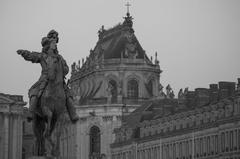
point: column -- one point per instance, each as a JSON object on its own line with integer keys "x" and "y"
{"x": 177, "y": 150}
{"x": 174, "y": 150}
{"x": 160, "y": 149}
{"x": 6, "y": 134}
{"x": 141, "y": 154}
{"x": 19, "y": 136}
{"x": 184, "y": 149}
{"x": 235, "y": 139}
{"x": 192, "y": 143}
{"x": 158, "y": 152}
{"x": 15, "y": 136}
{"x": 164, "y": 151}
{"x": 1, "y": 134}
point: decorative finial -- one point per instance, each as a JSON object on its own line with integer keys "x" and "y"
{"x": 128, "y": 19}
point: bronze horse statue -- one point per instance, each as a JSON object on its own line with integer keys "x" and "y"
{"x": 50, "y": 98}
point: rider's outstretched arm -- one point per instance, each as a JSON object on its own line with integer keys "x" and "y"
{"x": 34, "y": 57}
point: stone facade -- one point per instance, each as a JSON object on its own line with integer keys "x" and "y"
{"x": 11, "y": 116}
{"x": 205, "y": 123}
{"x": 28, "y": 149}
{"x": 68, "y": 141}
{"x": 113, "y": 81}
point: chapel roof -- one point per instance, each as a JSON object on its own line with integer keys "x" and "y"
{"x": 119, "y": 42}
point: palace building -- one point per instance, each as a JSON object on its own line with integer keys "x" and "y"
{"x": 204, "y": 123}
{"x": 114, "y": 80}
{"x": 11, "y": 117}
{"x": 124, "y": 113}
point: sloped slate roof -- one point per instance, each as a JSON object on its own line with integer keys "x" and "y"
{"x": 151, "y": 110}
{"x": 114, "y": 41}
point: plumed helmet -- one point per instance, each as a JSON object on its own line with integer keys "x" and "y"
{"x": 51, "y": 33}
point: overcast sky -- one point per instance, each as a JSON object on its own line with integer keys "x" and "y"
{"x": 198, "y": 41}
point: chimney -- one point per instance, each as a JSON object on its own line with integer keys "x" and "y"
{"x": 190, "y": 99}
{"x": 202, "y": 96}
{"x": 227, "y": 89}
{"x": 213, "y": 93}
{"x": 238, "y": 87}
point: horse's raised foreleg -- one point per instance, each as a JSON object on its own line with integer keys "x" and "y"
{"x": 47, "y": 132}
{"x": 59, "y": 129}
{"x": 38, "y": 129}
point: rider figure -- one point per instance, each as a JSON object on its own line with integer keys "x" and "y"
{"x": 49, "y": 45}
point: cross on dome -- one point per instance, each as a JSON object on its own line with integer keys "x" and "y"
{"x": 128, "y": 5}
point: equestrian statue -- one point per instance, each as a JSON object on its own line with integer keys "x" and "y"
{"x": 50, "y": 97}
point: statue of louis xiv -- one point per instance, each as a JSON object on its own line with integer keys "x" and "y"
{"x": 49, "y": 45}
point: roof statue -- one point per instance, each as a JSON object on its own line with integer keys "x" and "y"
{"x": 162, "y": 95}
{"x": 238, "y": 85}
{"x": 169, "y": 92}
{"x": 180, "y": 94}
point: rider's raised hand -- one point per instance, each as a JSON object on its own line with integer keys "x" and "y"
{"x": 20, "y": 52}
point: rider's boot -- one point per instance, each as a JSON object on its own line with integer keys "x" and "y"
{"x": 32, "y": 107}
{"x": 72, "y": 110}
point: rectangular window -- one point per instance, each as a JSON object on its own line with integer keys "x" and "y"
{"x": 204, "y": 146}
{"x": 177, "y": 150}
{"x": 201, "y": 147}
{"x": 197, "y": 146}
{"x": 223, "y": 142}
{"x": 231, "y": 140}
{"x": 124, "y": 155}
{"x": 167, "y": 151}
{"x": 149, "y": 153}
{"x": 187, "y": 148}
{"x": 174, "y": 151}
{"x": 190, "y": 148}
{"x": 180, "y": 149}
{"x": 238, "y": 139}
{"x": 227, "y": 141}
{"x": 216, "y": 144}
{"x": 143, "y": 154}
{"x": 212, "y": 144}
{"x": 235, "y": 139}
{"x": 155, "y": 153}
{"x": 208, "y": 145}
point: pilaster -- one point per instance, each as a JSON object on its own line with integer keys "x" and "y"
{"x": 6, "y": 135}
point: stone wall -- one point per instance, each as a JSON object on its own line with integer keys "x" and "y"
{"x": 210, "y": 131}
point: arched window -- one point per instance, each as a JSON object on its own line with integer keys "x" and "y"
{"x": 114, "y": 91}
{"x": 95, "y": 141}
{"x": 150, "y": 88}
{"x": 132, "y": 89}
